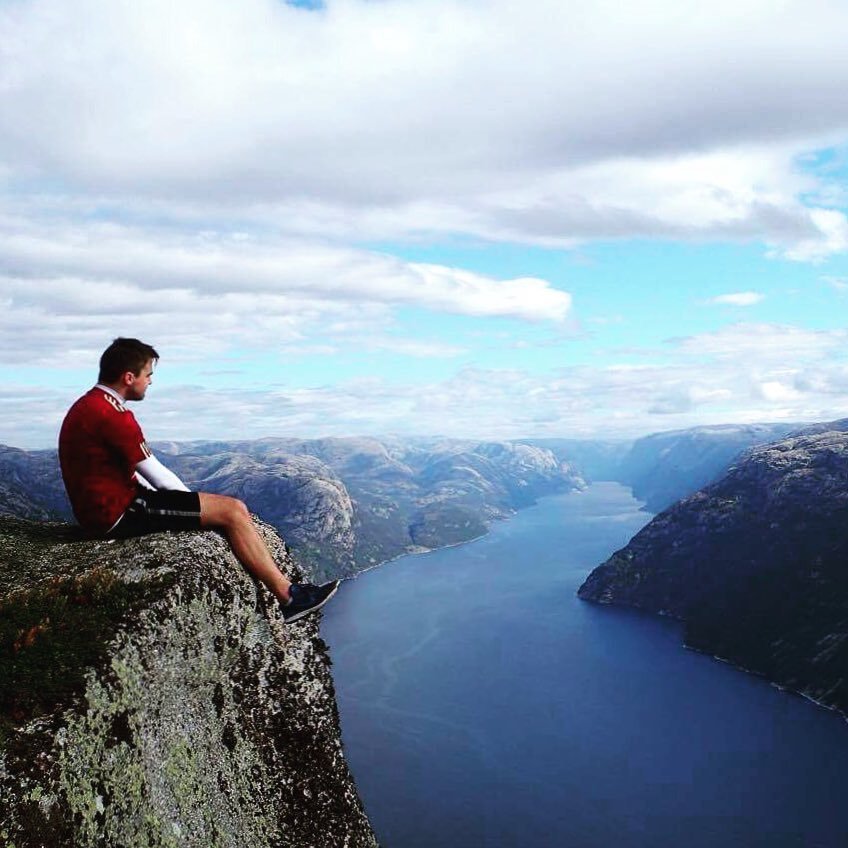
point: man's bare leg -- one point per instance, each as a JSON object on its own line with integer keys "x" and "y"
{"x": 230, "y": 516}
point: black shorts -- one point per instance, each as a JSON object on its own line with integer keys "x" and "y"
{"x": 154, "y": 511}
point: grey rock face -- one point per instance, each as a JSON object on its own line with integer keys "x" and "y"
{"x": 152, "y": 696}
{"x": 299, "y": 495}
{"x": 755, "y": 564}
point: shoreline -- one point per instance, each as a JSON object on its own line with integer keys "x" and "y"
{"x": 839, "y": 711}
{"x": 423, "y": 550}
{"x": 843, "y": 714}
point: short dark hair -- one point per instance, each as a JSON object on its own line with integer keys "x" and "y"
{"x": 124, "y": 355}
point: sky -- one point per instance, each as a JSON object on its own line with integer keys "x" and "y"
{"x": 467, "y": 218}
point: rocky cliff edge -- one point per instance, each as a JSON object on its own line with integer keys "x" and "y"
{"x": 151, "y": 695}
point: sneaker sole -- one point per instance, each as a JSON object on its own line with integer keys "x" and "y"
{"x": 303, "y": 613}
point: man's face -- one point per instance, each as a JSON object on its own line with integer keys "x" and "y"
{"x": 138, "y": 387}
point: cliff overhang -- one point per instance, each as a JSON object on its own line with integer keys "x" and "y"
{"x": 151, "y": 695}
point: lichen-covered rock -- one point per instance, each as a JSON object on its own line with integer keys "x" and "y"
{"x": 151, "y": 695}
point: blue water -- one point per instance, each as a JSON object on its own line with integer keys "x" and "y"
{"x": 483, "y": 704}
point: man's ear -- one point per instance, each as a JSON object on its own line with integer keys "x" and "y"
{"x": 128, "y": 379}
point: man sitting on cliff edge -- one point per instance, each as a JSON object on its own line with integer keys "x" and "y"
{"x": 117, "y": 488}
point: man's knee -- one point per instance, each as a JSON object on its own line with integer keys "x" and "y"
{"x": 240, "y": 510}
{"x": 222, "y": 511}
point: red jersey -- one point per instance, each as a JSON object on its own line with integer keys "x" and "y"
{"x": 100, "y": 444}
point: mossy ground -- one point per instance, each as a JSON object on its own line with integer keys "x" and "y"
{"x": 152, "y": 697}
{"x": 51, "y": 633}
{"x": 58, "y": 613}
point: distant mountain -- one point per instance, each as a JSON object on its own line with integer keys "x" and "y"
{"x": 756, "y": 565}
{"x": 31, "y": 485}
{"x": 350, "y": 503}
{"x": 664, "y": 467}
{"x": 592, "y": 459}
{"x": 840, "y": 425}
{"x": 341, "y": 504}
{"x": 299, "y": 495}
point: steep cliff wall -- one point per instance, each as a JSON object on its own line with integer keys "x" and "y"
{"x": 150, "y": 695}
{"x": 755, "y": 564}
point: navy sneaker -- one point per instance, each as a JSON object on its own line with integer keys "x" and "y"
{"x": 306, "y": 599}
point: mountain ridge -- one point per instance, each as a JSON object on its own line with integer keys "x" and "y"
{"x": 342, "y": 504}
{"x": 755, "y": 565}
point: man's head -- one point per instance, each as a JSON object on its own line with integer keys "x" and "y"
{"x": 127, "y": 365}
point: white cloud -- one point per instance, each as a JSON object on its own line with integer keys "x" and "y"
{"x": 70, "y": 284}
{"x": 212, "y": 174}
{"x": 766, "y": 343}
{"x": 547, "y": 122}
{"x": 713, "y": 378}
{"x": 737, "y": 299}
{"x": 831, "y": 237}
{"x": 838, "y": 284}
{"x": 776, "y": 392}
{"x": 410, "y": 347}
{"x": 589, "y": 401}
{"x": 586, "y": 401}
{"x": 217, "y": 264}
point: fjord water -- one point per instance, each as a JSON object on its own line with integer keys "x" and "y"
{"x": 483, "y": 704}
